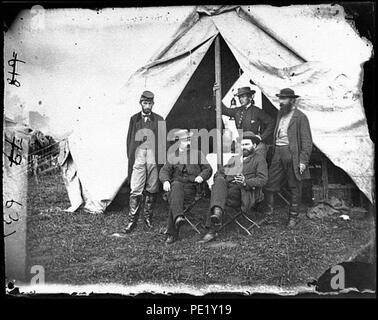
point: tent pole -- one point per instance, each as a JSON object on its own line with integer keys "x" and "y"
{"x": 325, "y": 177}
{"x": 218, "y": 101}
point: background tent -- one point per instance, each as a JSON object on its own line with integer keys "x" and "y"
{"x": 302, "y": 47}
{"x": 328, "y": 83}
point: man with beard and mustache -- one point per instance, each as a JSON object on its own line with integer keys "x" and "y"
{"x": 142, "y": 147}
{"x": 238, "y": 184}
{"x": 292, "y": 146}
{"x": 185, "y": 169}
{"x": 248, "y": 117}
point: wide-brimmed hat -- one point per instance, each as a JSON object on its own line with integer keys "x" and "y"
{"x": 244, "y": 90}
{"x": 183, "y": 134}
{"x": 287, "y": 93}
{"x": 248, "y": 135}
{"x": 147, "y": 95}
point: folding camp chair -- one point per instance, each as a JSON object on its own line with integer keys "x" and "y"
{"x": 189, "y": 206}
{"x": 248, "y": 224}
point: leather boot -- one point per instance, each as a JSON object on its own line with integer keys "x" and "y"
{"x": 293, "y": 216}
{"x": 209, "y": 236}
{"x": 134, "y": 206}
{"x": 216, "y": 216}
{"x": 171, "y": 238}
{"x": 215, "y": 222}
{"x": 269, "y": 198}
{"x": 149, "y": 205}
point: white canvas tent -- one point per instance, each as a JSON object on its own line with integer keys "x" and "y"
{"x": 312, "y": 49}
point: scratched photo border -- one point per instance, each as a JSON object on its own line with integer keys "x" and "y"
{"x": 11, "y": 11}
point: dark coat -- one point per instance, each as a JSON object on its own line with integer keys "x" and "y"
{"x": 255, "y": 120}
{"x": 300, "y": 141}
{"x": 137, "y": 123}
{"x": 255, "y": 170}
{"x": 184, "y": 171}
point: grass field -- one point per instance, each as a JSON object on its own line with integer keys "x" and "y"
{"x": 79, "y": 248}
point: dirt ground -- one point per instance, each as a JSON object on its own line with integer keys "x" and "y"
{"x": 80, "y": 248}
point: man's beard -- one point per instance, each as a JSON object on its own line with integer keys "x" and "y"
{"x": 146, "y": 110}
{"x": 286, "y": 108}
{"x": 247, "y": 152}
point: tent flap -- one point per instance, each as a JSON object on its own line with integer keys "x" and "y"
{"x": 167, "y": 78}
{"x": 302, "y": 47}
{"x": 329, "y": 96}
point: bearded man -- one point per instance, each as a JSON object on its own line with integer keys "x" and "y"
{"x": 143, "y": 141}
{"x": 292, "y": 146}
{"x": 238, "y": 184}
{"x": 184, "y": 169}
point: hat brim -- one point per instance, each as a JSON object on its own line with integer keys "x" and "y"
{"x": 287, "y": 96}
{"x": 240, "y": 94}
{"x": 239, "y": 139}
{"x": 186, "y": 136}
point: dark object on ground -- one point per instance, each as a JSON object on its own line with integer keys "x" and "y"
{"x": 333, "y": 208}
{"x": 358, "y": 275}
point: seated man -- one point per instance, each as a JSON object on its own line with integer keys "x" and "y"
{"x": 180, "y": 176}
{"x": 238, "y": 184}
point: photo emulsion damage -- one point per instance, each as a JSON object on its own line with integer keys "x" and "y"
{"x": 189, "y": 149}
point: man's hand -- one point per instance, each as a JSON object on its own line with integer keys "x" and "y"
{"x": 302, "y": 168}
{"x": 167, "y": 186}
{"x": 198, "y": 179}
{"x": 240, "y": 179}
{"x": 216, "y": 87}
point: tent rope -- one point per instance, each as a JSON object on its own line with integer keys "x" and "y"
{"x": 190, "y": 61}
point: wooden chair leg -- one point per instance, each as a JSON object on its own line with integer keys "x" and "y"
{"x": 187, "y": 210}
{"x": 283, "y": 198}
{"x": 241, "y": 226}
{"x": 232, "y": 219}
{"x": 251, "y": 221}
{"x": 192, "y": 225}
{"x": 235, "y": 219}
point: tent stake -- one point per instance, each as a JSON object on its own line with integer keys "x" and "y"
{"x": 218, "y": 101}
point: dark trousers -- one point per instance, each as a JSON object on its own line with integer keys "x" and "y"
{"x": 181, "y": 193}
{"x": 223, "y": 193}
{"x": 281, "y": 170}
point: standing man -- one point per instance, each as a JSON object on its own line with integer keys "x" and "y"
{"x": 292, "y": 143}
{"x": 238, "y": 184}
{"x": 142, "y": 151}
{"x": 180, "y": 177}
{"x": 248, "y": 117}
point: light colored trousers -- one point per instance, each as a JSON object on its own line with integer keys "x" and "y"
{"x": 145, "y": 173}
